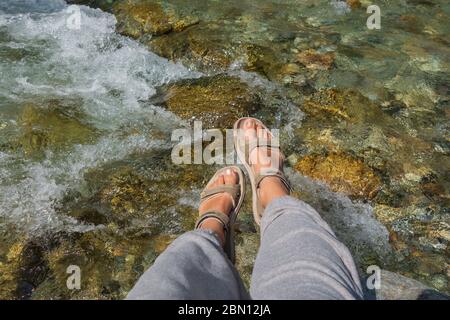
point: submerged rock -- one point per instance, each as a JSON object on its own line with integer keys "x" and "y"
{"x": 130, "y": 195}
{"x": 204, "y": 45}
{"x": 23, "y": 268}
{"x": 52, "y": 127}
{"x": 267, "y": 61}
{"x": 109, "y": 263}
{"x": 211, "y": 46}
{"x": 9, "y": 271}
{"x": 144, "y": 193}
{"x": 217, "y": 101}
{"x": 247, "y": 245}
{"x": 410, "y": 23}
{"x": 331, "y": 104}
{"x": 137, "y": 18}
{"x": 173, "y": 46}
{"x": 184, "y": 23}
{"x": 407, "y": 191}
{"x": 386, "y": 214}
{"x": 354, "y": 4}
{"x": 127, "y": 199}
{"x": 343, "y": 173}
{"x": 161, "y": 242}
{"x": 344, "y": 120}
{"x": 311, "y": 59}
{"x": 397, "y": 287}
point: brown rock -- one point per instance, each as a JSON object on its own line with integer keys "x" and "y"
{"x": 161, "y": 242}
{"x": 204, "y": 46}
{"x": 343, "y": 173}
{"x": 394, "y": 286}
{"x": 53, "y": 126}
{"x": 314, "y": 60}
{"x": 9, "y": 271}
{"x": 265, "y": 61}
{"x": 136, "y": 18}
{"x": 354, "y": 4}
{"x": 329, "y": 103}
{"x": 217, "y": 101}
{"x": 130, "y": 195}
{"x": 410, "y": 23}
{"x": 386, "y": 214}
{"x": 184, "y": 23}
{"x": 290, "y": 69}
{"x": 211, "y": 46}
{"x": 105, "y": 259}
{"x": 123, "y": 195}
{"x": 173, "y": 46}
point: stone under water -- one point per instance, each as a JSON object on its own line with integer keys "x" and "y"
{"x": 85, "y": 120}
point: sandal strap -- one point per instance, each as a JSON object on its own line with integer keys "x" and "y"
{"x": 262, "y": 144}
{"x": 273, "y": 173}
{"x": 233, "y": 190}
{"x": 220, "y": 216}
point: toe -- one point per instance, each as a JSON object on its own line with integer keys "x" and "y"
{"x": 219, "y": 181}
{"x": 263, "y": 133}
{"x": 231, "y": 177}
{"x": 249, "y": 123}
{"x": 249, "y": 127}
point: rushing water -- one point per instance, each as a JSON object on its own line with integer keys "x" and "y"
{"x": 78, "y": 129}
{"x": 106, "y": 73}
{"x": 43, "y": 64}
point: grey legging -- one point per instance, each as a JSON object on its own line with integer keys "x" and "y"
{"x": 299, "y": 258}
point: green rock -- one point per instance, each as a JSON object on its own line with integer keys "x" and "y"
{"x": 217, "y": 101}
{"x": 343, "y": 173}
{"x": 204, "y": 45}
{"x": 138, "y": 17}
{"x": 398, "y": 287}
{"x": 53, "y": 126}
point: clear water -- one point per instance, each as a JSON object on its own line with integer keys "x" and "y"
{"x": 107, "y": 73}
{"x": 102, "y": 82}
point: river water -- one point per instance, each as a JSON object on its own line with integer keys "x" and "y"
{"x": 79, "y": 128}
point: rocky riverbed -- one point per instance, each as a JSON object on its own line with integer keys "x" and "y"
{"x": 86, "y": 117}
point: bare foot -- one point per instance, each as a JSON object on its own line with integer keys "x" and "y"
{"x": 261, "y": 158}
{"x": 221, "y": 202}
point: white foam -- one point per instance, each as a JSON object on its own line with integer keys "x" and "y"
{"x": 109, "y": 74}
{"x": 91, "y": 62}
{"x": 31, "y": 202}
{"x": 340, "y": 7}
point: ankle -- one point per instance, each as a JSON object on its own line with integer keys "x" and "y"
{"x": 215, "y": 226}
{"x": 270, "y": 189}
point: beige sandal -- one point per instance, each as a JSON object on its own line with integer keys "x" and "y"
{"x": 243, "y": 151}
{"x": 237, "y": 193}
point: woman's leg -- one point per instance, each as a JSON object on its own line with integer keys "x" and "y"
{"x": 195, "y": 265}
{"x": 300, "y": 257}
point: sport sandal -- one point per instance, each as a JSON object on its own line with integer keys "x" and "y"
{"x": 243, "y": 150}
{"x": 237, "y": 192}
